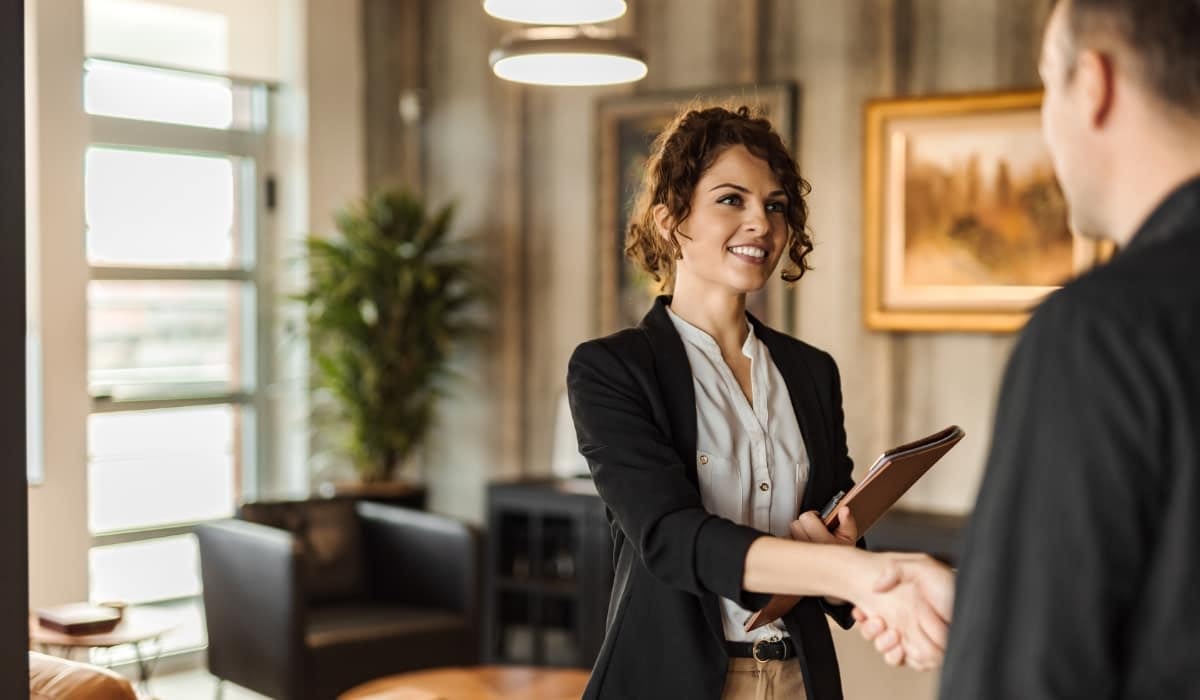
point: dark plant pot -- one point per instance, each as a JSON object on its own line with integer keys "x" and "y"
{"x": 408, "y": 494}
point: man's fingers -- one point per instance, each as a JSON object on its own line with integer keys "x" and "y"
{"x": 887, "y": 641}
{"x": 888, "y": 579}
{"x": 895, "y": 657}
{"x": 933, "y": 626}
{"x": 919, "y": 651}
{"x": 875, "y": 627}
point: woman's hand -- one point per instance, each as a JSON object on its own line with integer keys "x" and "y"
{"x": 923, "y": 646}
{"x": 809, "y": 528}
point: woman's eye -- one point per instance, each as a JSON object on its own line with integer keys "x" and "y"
{"x": 776, "y": 207}
{"x": 733, "y": 199}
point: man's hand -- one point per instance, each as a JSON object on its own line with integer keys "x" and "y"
{"x": 921, "y": 647}
{"x": 809, "y": 528}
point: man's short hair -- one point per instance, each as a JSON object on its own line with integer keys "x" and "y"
{"x": 1161, "y": 36}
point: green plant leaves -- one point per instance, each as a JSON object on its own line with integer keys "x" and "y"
{"x": 388, "y": 301}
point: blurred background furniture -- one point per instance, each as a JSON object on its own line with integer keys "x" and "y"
{"x": 55, "y": 678}
{"x": 141, "y": 628}
{"x": 306, "y": 599}
{"x": 480, "y": 683}
{"x": 549, "y": 573}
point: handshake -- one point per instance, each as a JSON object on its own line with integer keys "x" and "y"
{"x": 902, "y": 601}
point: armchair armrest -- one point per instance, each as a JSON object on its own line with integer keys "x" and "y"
{"x": 253, "y": 605}
{"x": 420, "y": 558}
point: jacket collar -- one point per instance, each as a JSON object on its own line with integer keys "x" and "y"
{"x": 1178, "y": 212}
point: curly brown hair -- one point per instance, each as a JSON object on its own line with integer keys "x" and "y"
{"x": 679, "y": 157}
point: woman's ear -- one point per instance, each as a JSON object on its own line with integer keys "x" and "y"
{"x": 663, "y": 221}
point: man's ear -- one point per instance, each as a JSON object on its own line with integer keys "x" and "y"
{"x": 1097, "y": 85}
{"x": 663, "y": 221}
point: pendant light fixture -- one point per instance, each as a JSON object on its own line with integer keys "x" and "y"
{"x": 572, "y": 51}
{"x": 555, "y": 11}
{"x": 567, "y": 56}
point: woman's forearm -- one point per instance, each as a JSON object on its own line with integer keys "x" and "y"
{"x": 777, "y": 565}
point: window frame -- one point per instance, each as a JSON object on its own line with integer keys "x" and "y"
{"x": 256, "y": 360}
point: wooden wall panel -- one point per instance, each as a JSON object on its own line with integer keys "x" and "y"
{"x": 393, "y": 45}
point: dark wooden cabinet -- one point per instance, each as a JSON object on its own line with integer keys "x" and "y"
{"x": 548, "y": 575}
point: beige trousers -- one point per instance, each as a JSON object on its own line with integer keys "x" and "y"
{"x": 749, "y": 679}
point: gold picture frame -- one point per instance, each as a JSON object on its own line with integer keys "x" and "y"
{"x": 627, "y": 126}
{"x": 965, "y": 227}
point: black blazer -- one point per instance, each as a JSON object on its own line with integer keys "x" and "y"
{"x": 634, "y": 406}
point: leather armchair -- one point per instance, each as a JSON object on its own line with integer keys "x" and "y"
{"x": 306, "y": 599}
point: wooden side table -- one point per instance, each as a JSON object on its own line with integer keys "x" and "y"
{"x": 475, "y": 683}
{"x": 138, "y": 626}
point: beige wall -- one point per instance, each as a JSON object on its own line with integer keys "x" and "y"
{"x": 522, "y": 160}
{"x": 56, "y": 136}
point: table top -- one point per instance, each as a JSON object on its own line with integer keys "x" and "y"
{"x": 136, "y": 625}
{"x": 477, "y": 683}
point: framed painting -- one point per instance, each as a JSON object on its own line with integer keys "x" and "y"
{"x": 965, "y": 224}
{"x": 627, "y": 128}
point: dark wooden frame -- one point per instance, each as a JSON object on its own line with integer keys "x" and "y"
{"x": 14, "y": 522}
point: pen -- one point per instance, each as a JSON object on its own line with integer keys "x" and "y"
{"x": 833, "y": 502}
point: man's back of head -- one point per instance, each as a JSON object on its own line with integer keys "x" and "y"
{"x": 1122, "y": 107}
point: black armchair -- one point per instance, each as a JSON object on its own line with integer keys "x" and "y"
{"x": 306, "y": 599}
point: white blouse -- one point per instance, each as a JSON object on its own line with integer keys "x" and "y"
{"x": 751, "y": 459}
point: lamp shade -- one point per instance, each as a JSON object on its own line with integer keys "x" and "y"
{"x": 555, "y": 11}
{"x": 567, "y": 56}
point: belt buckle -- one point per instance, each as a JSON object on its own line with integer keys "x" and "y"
{"x": 757, "y": 645}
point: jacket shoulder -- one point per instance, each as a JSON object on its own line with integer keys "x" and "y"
{"x": 628, "y": 344}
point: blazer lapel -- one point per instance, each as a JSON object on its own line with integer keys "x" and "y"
{"x": 802, "y": 388}
{"x": 675, "y": 381}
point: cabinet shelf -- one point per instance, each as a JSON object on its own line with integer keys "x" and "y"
{"x": 548, "y": 575}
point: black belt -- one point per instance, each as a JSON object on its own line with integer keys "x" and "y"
{"x": 762, "y": 650}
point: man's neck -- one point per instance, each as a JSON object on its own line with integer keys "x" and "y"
{"x": 1149, "y": 174}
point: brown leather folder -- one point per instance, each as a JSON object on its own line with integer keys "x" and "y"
{"x": 892, "y": 474}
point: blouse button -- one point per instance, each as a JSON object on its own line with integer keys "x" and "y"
{"x": 704, "y": 459}
{"x": 764, "y": 486}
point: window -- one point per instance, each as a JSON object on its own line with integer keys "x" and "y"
{"x": 176, "y": 230}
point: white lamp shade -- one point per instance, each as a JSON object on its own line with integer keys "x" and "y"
{"x": 567, "y": 56}
{"x": 555, "y": 11}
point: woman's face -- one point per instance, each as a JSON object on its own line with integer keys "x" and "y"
{"x": 737, "y": 229}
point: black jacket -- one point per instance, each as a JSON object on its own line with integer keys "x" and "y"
{"x": 1082, "y": 557}
{"x": 633, "y": 402}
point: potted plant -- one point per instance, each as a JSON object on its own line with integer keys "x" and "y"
{"x": 388, "y": 301}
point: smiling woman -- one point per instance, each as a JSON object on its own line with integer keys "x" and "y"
{"x": 709, "y": 433}
{"x": 694, "y": 142}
